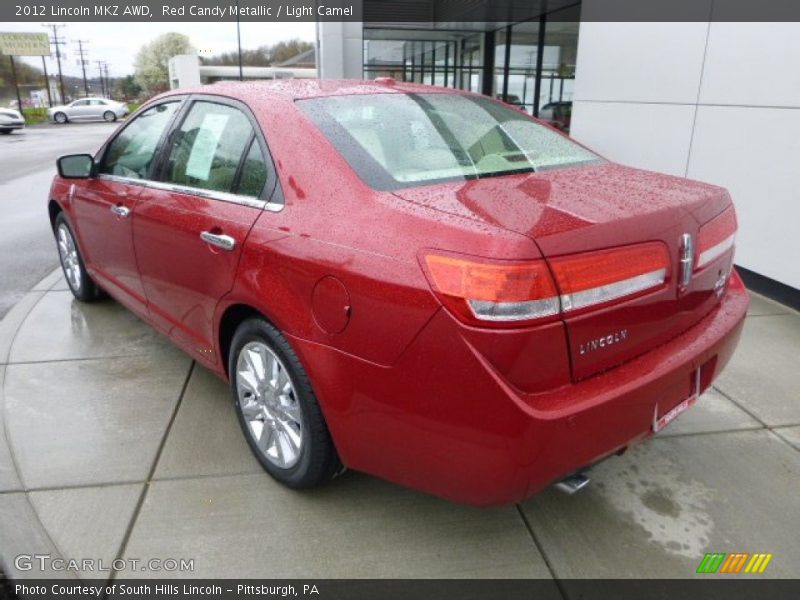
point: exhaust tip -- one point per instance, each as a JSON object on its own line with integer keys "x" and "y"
{"x": 573, "y": 484}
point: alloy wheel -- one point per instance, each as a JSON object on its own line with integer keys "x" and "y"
{"x": 68, "y": 252}
{"x": 269, "y": 405}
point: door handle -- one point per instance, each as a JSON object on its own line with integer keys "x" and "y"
{"x": 225, "y": 242}
{"x": 120, "y": 211}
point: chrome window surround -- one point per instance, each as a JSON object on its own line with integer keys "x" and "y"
{"x": 199, "y": 192}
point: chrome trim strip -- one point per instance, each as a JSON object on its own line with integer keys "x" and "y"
{"x": 716, "y": 251}
{"x": 514, "y": 311}
{"x": 612, "y": 291}
{"x": 182, "y": 189}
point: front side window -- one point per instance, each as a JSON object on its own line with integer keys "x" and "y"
{"x": 131, "y": 153}
{"x": 208, "y": 147}
{"x": 400, "y": 140}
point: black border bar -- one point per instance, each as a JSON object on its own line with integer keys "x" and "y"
{"x": 431, "y": 13}
{"x": 730, "y": 587}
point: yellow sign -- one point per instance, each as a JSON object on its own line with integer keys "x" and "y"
{"x": 24, "y": 44}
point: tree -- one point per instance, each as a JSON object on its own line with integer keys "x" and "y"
{"x": 151, "y": 64}
{"x": 129, "y": 88}
{"x": 262, "y": 56}
{"x": 285, "y": 50}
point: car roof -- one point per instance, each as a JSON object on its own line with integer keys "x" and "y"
{"x": 253, "y": 92}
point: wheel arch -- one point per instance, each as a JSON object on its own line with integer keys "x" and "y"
{"x": 233, "y": 316}
{"x": 53, "y": 209}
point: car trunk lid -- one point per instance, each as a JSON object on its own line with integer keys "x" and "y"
{"x": 570, "y": 212}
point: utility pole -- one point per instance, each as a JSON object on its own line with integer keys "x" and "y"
{"x": 99, "y": 64}
{"x": 16, "y": 83}
{"x": 108, "y": 79}
{"x": 83, "y": 64}
{"x": 58, "y": 42}
{"x": 47, "y": 83}
{"x": 239, "y": 42}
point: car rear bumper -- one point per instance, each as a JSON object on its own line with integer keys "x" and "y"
{"x": 444, "y": 421}
{"x": 12, "y": 124}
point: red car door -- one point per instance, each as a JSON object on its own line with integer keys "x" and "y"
{"x": 190, "y": 227}
{"x": 103, "y": 206}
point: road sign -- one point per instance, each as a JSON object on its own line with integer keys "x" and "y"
{"x": 14, "y": 43}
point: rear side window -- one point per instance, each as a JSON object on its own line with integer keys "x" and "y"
{"x": 131, "y": 153}
{"x": 207, "y": 149}
{"x": 254, "y": 172}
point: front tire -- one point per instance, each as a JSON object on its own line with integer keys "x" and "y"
{"x": 277, "y": 409}
{"x": 60, "y": 118}
{"x": 78, "y": 279}
{"x": 6, "y": 131}
{"x": 109, "y": 116}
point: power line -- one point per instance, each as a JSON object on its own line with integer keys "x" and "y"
{"x": 57, "y": 42}
{"x": 83, "y": 64}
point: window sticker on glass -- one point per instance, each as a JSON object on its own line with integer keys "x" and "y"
{"x": 205, "y": 146}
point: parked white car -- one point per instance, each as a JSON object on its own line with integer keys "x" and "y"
{"x": 88, "y": 109}
{"x": 10, "y": 120}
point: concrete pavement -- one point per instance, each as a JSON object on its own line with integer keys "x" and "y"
{"x": 113, "y": 444}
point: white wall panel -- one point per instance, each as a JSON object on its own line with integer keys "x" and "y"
{"x": 752, "y": 64}
{"x": 640, "y": 62}
{"x": 648, "y": 136}
{"x": 755, "y": 153}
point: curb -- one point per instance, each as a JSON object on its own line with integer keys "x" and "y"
{"x": 21, "y": 529}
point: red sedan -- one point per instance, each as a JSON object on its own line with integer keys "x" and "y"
{"x": 418, "y": 283}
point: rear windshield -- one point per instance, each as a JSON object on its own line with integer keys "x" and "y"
{"x": 401, "y": 140}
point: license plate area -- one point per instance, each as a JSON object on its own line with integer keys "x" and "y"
{"x": 660, "y": 422}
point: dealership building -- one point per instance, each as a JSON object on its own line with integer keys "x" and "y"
{"x": 713, "y": 101}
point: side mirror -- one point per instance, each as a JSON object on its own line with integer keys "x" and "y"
{"x": 76, "y": 166}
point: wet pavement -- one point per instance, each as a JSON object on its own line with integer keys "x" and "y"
{"x": 113, "y": 444}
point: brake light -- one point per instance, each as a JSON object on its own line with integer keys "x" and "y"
{"x": 494, "y": 292}
{"x": 513, "y": 292}
{"x": 716, "y": 237}
{"x": 598, "y": 277}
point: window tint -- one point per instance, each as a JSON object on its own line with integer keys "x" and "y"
{"x": 207, "y": 149}
{"x": 97, "y": 102}
{"x": 399, "y": 140}
{"x": 254, "y": 172}
{"x": 131, "y": 152}
{"x": 81, "y": 103}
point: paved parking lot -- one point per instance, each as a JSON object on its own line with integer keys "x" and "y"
{"x": 116, "y": 445}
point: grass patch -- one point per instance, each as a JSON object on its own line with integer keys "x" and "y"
{"x": 34, "y": 116}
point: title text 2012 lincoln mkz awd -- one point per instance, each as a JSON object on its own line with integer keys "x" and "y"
{"x": 415, "y": 282}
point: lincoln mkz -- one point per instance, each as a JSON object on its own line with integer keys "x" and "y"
{"x": 415, "y": 282}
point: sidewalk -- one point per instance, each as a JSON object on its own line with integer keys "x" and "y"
{"x": 113, "y": 444}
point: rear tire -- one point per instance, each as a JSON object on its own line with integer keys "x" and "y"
{"x": 78, "y": 280}
{"x": 6, "y": 131}
{"x": 277, "y": 409}
{"x": 109, "y": 116}
{"x": 60, "y": 118}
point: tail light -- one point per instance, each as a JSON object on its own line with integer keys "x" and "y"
{"x": 716, "y": 237}
{"x": 514, "y": 293}
{"x": 598, "y": 277}
{"x": 493, "y": 292}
